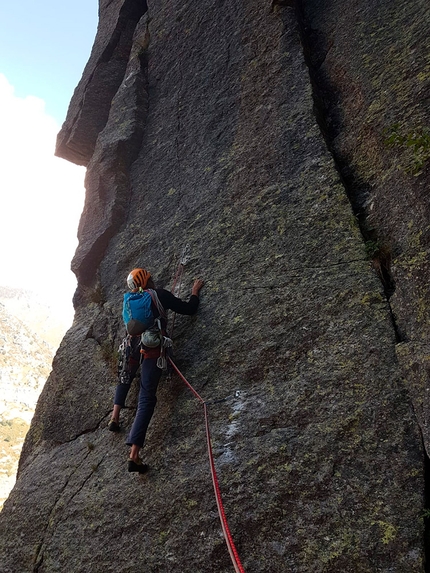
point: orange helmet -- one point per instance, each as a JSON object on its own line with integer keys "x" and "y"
{"x": 138, "y": 278}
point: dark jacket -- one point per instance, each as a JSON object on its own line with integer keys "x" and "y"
{"x": 171, "y": 302}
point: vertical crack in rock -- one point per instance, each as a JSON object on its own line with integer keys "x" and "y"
{"x": 181, "y": 202}
{"x": 426, "y": 513}
{"x": 57, "y": 507}
{"x": 107, "y": 181}
{"x": 328, "y": 110}
{"x": 328, "y": 115}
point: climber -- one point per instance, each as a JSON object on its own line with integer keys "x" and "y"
{"x": 162, "y": 300}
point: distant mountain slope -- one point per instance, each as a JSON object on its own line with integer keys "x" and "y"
{"x": 38, "y": 317}
{"x": 29, "y": 336}
{"x": 25, "y": 360}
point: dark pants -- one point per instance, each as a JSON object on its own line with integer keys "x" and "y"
{"x": 150, "y": 375}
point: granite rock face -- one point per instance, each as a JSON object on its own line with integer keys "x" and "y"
{"x": 370, "y": 68}
{"x": 262, "y": 139}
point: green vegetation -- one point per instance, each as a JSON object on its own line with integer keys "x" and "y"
{"x": 378, "y": 252}
{"x": 97, "y": 295}
{"x": 389, "y": 531}
{"x": 372, "y": 248}
{"x": 415, "y": 143}
{"x": 110, "y": 356}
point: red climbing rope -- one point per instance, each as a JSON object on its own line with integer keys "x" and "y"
{"x": 227, "y": 535}
{"x": 182, "y": 377}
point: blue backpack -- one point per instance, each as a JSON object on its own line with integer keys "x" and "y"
{"x": 137, "y": 312}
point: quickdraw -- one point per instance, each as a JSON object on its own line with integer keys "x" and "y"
{"x": 177, "y": 282}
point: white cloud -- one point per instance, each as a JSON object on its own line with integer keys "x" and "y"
{"x": 41, "y": 198}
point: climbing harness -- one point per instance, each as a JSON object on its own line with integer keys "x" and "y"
{"x": 225, "y": 528}
{"x": 166, "y": 342}
{"x": 153, "y": 336}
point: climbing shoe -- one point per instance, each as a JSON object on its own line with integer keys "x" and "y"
{"x": 113, "y": 426}
{"x": 137, "y": 467}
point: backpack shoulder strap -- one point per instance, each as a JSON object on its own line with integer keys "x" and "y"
{"x": 157, "y": 303}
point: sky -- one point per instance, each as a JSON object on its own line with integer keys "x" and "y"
{"x": 44, "y": 47}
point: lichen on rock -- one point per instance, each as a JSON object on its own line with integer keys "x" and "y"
{"x": 216, "y": 137}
